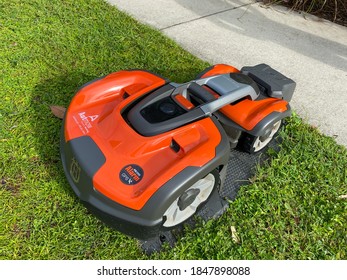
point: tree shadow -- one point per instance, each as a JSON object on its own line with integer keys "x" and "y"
{"x": 250, "y": 22}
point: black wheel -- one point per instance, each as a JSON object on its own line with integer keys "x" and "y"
{"x": 254, "y": 144}
{"x": 186, "y": 205}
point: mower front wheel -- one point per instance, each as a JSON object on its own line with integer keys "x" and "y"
{"x": 187, "y": 204}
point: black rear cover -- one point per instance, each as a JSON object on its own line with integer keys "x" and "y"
{"x": 272, "y": 82}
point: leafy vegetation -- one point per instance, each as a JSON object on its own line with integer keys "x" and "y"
{"x": 333, "y": 10}
{"x": 292, "y": 209}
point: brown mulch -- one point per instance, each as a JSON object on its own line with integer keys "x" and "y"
{"x": 332, "y": 10}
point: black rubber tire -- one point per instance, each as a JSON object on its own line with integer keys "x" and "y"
{"x": 216, "y": 175}
{"x": 246, "y": 141}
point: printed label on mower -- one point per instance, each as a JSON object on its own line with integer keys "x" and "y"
{"x": 131, "y": 174}
{"x": 84, "y": 122}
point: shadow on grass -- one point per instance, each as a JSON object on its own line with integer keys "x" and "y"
{"x": 46, "y": 127}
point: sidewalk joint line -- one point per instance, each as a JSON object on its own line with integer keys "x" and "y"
{"x": 205, "y": 16}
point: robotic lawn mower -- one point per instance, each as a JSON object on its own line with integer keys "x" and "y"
{"x": 145, "y": 154}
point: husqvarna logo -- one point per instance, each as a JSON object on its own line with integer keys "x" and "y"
{"x": 75, "y": 170}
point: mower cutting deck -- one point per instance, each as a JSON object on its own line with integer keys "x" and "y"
{"x": 145, "y": 155}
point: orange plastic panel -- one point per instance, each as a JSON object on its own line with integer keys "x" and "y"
{"x": 248, "y": 113}
{"x": 184, "y": 102}
{"x": 220, "y": 69}
{"x": 96, "y": 111}
{"x": 159, "y": 162}
{"x": 99, "y": 98}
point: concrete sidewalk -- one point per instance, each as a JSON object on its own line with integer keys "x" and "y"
{"x": 311, "y": 51}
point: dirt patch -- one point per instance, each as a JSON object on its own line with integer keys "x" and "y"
{"x": 12, "y": 188}
{"x": 16, "y": 230}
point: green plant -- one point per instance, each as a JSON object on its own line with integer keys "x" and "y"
{"x": 334, "y": 10}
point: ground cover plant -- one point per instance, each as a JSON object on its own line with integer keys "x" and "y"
{"x": 333, "y": 10}
{"x": 293, "y": 209}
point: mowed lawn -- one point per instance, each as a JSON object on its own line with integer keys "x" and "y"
{"x": 294, "y": 207}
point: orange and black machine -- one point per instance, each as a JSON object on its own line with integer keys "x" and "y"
{"x": 144, "y": 154}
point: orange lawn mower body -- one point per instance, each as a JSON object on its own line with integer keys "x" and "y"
{"x": 144, "y": 154}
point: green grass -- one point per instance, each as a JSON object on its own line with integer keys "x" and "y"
{"x": 47, "y": 50}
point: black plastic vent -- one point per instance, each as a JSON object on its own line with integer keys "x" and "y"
{"x": 175, "y": 146}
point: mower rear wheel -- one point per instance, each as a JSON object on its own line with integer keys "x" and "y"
{"x": 188, "y": 202}
{"x": 254, "y": 144}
